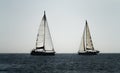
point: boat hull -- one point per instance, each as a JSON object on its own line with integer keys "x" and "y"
{"x": 88, "y": 53}
{"x": 42, "y": 53}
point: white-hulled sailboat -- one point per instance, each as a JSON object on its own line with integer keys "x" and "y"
{"x": 44, "y": 45}
{"x": 86, "y": 46}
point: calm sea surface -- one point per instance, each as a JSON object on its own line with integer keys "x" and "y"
{"x": 60, "y": 63}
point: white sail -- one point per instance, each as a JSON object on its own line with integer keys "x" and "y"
{"x": 44, "y": 40}
{"x": 89, "y": 44}
{"x": 48, "y": 39}
{"x": 82, "y": 45}
{"x": 41, "y": 33}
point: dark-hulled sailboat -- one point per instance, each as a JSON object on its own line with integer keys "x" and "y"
{"x": 44, "y": 45}
{"x": 86, "y": 46}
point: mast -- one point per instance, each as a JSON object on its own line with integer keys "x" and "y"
{"x": 44, "y": 30}
{"x": 84, "y": 39}
{"x": 86, "y": 34}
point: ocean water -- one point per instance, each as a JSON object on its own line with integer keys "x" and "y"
{"x": 60, "y": 63}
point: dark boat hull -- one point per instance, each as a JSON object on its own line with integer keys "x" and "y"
{"x": 42, "y": 53}
{"x": 88, "y": 53}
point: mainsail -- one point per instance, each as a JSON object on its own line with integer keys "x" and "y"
{"x": 89, "y": 44}
{"x": 44, "y": 40}
{"x": 86, "y": 41}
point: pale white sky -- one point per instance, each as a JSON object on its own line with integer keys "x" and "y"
{"x": 19, "y": 21}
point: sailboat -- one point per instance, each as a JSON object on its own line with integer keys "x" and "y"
{"x": 44, "y": 45}
{"x": 86, "y": 46}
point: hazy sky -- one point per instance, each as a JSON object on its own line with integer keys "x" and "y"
{"x": 20, "y": 19}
